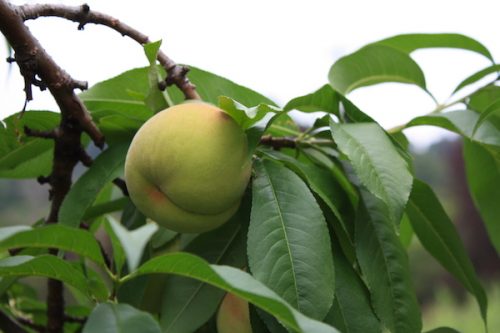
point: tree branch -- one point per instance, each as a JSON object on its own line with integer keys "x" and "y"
{"x": 278, "y": 143}
{"x": 176, "y": 74}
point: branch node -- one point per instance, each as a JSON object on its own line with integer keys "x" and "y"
{"x": 82, "y": 85}
{"x": 85, "y": 10}
{"x": 85, "y": 158}
{"x": 44, "y": 179}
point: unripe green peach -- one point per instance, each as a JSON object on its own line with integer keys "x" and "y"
{"x": 188, "y": 166}
{"x": 233, "y": 315}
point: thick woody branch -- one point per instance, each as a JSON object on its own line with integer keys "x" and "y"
{"x": 38, "y": 68}
{"x": 176, "y": 74}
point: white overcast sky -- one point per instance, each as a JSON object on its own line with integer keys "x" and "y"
{"x": 282, "y": 49}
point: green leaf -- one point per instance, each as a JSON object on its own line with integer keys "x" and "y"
{"x": 324, "y": 99}
{"x": 210, "y": 86}
{"x": 374, "y": 64}
{"x": 123, "y": 94}
{"x": 288, "y": 241}
{"x": 281, "y": 124}
{"x": 411, "y": 42}
{"x": 123, "y": 318}
{"x": 351, "y": 311}
{"x": 483, "y": 98}
{"x": 384, "y": 263}
{"x": 492, "y": 110}
{"x": 45, "y": 265}
{"x": 22, "y": 156}
{"x": 156, "y": 99}
{"x": 477, "y": 76}
{"x": 405, "y": 231}
{"x": 483, "y": 177}
{"x": 133, "y": 242}
{"x": 187, "y": 303}
{"x": 323, "y": 183}
{"x": 322, "y": 159}
{"x": 377, "y": 163}
{"x": 354, "y": 113}
{"x": 107, "y": 166}
{"x": 463, "y": 123}
{"x": 118, "y": 128}
{"x": 437, "y": 234}
{"x": 244, "y": 116}
{"x": 234, "y": 281}
{"x": 54, "y": 236}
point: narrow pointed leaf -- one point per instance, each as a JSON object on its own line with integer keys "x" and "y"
{"x": 351, "y": 311}
{"x": 492, "y": 110}
{"x": 187, "y": 303}
{"x": 477, "y": 76}
{"x": 384, "y": 263}
{"x": 45, "y": 265}
{"x": 437, "y": 234}
{"x": 288, "y": 242}
{"x": 374, "y": 64}
{"x": 234, "y": 281}
{"x": 83, "y": 193}
{"x": 483, "y": 177}
{"x": 324, "y": 99}
{"x": 411, "y": 42}
{"x": 377, "y": 163}
{"x": 463, "y": 123}
{"x": 55, "y": 236}
{"x": 122, "y": 318}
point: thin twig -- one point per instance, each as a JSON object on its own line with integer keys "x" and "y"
{"x": 83, "y": 15}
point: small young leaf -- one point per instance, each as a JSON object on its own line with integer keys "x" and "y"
{"x": 288, "y": 240}
{"x": 437, "y": 234}
{"x": 156, "y": 99}
{"x": 374, "y": 64}
{"x": 133, "y": 242}
{"x": 411, "y": 42}
{"x": 244, "y": 116}
{"x": 123, "y": 318}
{"x": 384, "y": 264}
{"x": 105, "y": 168}
{"x": 55, "y": 236}
{"x": 377, "y": 163}
{"x": 234, "y": 281}
{"x": 483, "y": 177}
